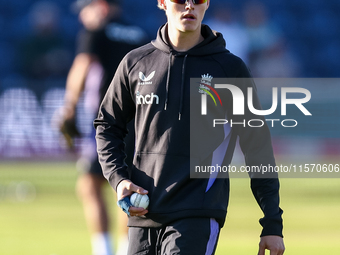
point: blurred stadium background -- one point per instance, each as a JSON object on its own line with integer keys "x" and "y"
{"x": 39, "y": 212}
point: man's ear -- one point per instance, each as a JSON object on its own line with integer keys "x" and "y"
{"x": 161, "y": 4}
{"x": 208, "y": 3}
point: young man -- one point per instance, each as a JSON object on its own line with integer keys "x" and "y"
{"x": 102, "y": 44}
{"x": 152, "y": 85}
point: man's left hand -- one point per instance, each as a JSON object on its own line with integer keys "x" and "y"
{"x": 273, "y": 243}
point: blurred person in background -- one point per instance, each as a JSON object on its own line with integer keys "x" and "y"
{"x": 102, "y": 44}
{"x": 43, "y": 52}
{"x": 269, "y": 55}
{"x": 277, "y": 62}
{"x": 224, "y": 21}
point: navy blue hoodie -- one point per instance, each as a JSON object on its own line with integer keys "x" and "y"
{"x": 152, "y": 86}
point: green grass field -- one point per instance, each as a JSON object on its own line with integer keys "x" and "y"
{"x": 41, "y": 215}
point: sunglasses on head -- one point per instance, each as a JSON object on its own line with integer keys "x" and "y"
{"x": 184, "y": 1}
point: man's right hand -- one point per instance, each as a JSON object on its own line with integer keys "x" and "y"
{"x": 64, "y": 119}
{"x": 127, "y": 188}
{"x": 67, "y": 125}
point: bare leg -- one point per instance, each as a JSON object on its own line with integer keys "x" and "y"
{"x": 90, "y": 191}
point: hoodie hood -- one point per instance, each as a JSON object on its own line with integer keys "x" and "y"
{"x": 213, "y": 42}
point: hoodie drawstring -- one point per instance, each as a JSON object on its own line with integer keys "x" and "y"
{"x": 167, "y": 84}
{"x": 182, "y": 88}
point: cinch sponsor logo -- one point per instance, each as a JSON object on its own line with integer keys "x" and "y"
{"x": 147, "y": 99}
{"x": 146, "y": 80}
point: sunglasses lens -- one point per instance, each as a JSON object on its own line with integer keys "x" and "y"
{"x": 184, "y": 1}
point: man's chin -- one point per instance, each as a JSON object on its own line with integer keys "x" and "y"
{"x": 189, "y": 28}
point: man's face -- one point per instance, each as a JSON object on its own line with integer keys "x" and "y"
{"x": 93, "y": 16}
{"x": 185, "y": 17}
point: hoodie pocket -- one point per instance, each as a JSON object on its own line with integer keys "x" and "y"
{"x": 167, "y": 178}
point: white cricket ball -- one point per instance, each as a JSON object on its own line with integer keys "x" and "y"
{"x": 138, "y": 200}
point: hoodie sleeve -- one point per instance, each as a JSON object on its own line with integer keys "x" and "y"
{"x": 256, "y": 145}
{"x": 116, "y": 110}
